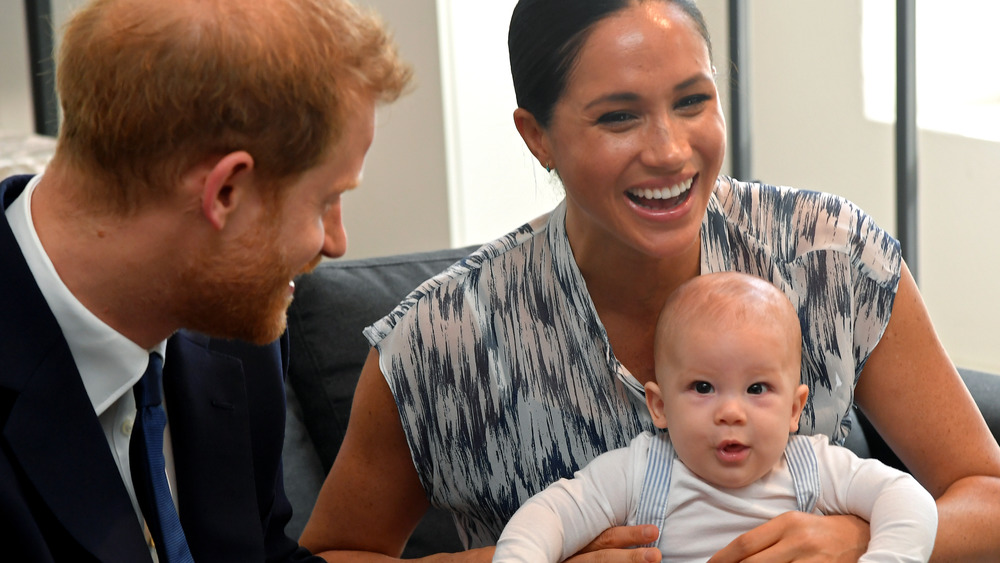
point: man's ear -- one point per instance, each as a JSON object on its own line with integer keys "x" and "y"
{"x": 654, "y": 402}
{"x": 798, "y": 403}
{"x": 225, "y": 185}
{"x": 534, "y": 137}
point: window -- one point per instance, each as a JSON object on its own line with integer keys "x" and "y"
{"x": 956, "y": 92}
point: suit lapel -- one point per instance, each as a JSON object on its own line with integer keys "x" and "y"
{"x": 52, "y": 430}
{"x": 55, "y": 436}
{"x": 210, "y": 430}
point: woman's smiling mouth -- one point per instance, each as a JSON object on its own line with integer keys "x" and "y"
{"x": 661, "y": 199}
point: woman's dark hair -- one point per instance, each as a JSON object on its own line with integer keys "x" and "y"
{"x": 545, "y": 38}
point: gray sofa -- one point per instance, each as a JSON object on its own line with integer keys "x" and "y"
{"x": 331, "y": 307}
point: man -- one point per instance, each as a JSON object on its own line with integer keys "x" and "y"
{"x": 204, "y": 148}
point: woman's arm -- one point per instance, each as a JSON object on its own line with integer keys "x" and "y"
{"x": 916, "y": 400}
{"x": 372, "y": 499}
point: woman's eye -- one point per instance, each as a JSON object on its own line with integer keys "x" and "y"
{"x": 615, "y": 117}
{"x": 693, "y": 101}
{"x": 702, "y": 387}
{"x": 757, "y": 389}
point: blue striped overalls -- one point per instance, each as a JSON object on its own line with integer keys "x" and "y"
{"x": 653, "y": 507}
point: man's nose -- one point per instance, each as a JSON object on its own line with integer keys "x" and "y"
{"x": 334, "y": 234}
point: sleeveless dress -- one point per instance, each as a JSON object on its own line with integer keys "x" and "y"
{"x": 505, "y": 379}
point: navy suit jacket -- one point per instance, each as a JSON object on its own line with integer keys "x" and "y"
{"x": 61, "y": 495}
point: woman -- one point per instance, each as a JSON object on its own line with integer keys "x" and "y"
{"x": 527, "y": 360}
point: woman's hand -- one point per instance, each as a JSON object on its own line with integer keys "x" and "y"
{"x": 802, "y": 537}
{"x": 614, "y": 546}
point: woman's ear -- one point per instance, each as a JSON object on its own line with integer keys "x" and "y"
{"x": 534, "y": 137}
{"x": 225, "y": 185}
{"x": 654, "y": 402}
{"x": 798, "y": 403}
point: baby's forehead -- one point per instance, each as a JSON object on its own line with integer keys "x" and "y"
{"x": 702, "y": 342}
{"x": 730, "y": 291}
{"x": 774, "y": 315}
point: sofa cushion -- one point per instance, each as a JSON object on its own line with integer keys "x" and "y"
{"x": 332, "y": 306}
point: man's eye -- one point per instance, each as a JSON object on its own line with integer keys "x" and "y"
{"x": 702, "y": 387}
{"x": 757, "y": 389}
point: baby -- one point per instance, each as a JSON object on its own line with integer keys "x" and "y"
{"x": 727, "y": 396}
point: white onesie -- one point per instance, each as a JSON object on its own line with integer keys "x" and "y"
{"x": 645, "y": 483}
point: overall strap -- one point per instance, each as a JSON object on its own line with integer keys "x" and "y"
{"x": 652, "y": 507}
{"x": 802, "y": 464}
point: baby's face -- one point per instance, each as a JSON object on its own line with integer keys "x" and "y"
{"x": 730, "y": 399}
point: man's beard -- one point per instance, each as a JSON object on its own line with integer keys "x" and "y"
{"x": 242, "y": 293}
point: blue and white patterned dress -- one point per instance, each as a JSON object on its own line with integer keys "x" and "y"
{"x": 505, "y": 379}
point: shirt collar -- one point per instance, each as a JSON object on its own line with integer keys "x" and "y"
{"x": 109, "y": 363}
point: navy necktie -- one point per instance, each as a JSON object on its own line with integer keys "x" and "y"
{"x": 148, "y": 475}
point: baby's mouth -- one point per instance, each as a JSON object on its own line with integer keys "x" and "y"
{"x": 732, "y": 451}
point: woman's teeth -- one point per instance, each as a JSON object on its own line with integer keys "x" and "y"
{"x": 663, "y": 193}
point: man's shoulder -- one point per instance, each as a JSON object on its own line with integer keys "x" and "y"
{"x": 12, "y": 187}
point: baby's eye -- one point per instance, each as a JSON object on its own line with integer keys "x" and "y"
{"x": 757, "y": 388}
{"x": 702, "y": 387}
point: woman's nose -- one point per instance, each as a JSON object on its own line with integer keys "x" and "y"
{"x": 666, "y": 147}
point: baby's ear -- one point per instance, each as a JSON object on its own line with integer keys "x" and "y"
{"x": 798, "y": 403}
{"x": 654, "y": 402}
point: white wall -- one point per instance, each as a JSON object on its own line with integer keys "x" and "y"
{"x": 402, "y": 204}
{"x": 808, "y": 122}
{"x": 809, "y": 131}
{"x": 15, "y": 89}
{"x": 496, "y": 184}
{"x": 960, "y": 246}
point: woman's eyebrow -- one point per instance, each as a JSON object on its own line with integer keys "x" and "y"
{"x": 613, "y": 97}
{"x": 696, "y": 79}
{"x": 632, "y": 96}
